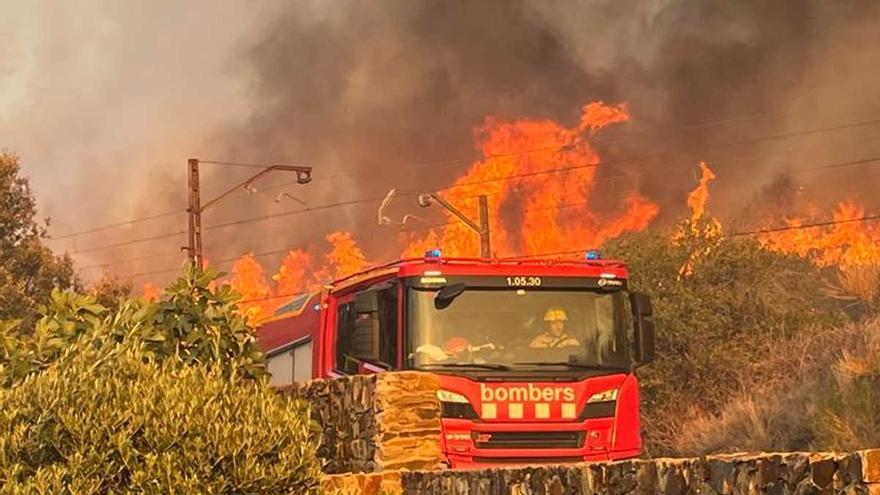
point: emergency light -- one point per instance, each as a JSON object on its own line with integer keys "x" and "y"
{"x": 432, "y": 253}
{"x": 593, "y": 255}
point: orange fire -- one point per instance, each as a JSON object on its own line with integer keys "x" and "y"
{"x": 151, "y": 293}
{"x": 849, "y": 244}
{"x": 845, "y": 242}
{"x": 698, "y": 198}
{"x": 346, "y": 257}
{"x": 293, "y": 273}
{"x": 537, "y": 175}
{"x": 700, "y": 224}
{"x": 541, "y": 175}
{"x": 249, "y": 281}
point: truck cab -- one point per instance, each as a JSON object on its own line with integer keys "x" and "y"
{"x": 535, "y": 358}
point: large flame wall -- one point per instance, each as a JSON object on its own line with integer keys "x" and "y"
{"x": 539, "y": 177}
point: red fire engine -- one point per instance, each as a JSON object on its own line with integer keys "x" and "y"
{"x": 535, "y": 358}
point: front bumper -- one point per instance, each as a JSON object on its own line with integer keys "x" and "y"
{"x": 474, "y": 444}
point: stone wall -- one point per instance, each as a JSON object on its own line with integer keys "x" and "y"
{"x": 795, "y": 473}
{"x": 375, "y": 422}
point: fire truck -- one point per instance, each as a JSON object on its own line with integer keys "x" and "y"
{"x": 535, "y": 358}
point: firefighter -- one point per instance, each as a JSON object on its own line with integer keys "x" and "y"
{"x": 555, "y": 335}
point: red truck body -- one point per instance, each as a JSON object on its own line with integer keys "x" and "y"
{"x": 476, "y": 324}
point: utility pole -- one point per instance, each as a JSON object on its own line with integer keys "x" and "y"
{"x": 485, "y": 246}
{"x": 482, "y": 229}
{"x": 194, "y": 249}
{"x": 195, "y": 208}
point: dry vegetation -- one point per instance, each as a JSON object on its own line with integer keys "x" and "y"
{"x": 758, "y": 350}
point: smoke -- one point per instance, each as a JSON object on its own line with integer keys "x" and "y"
{"x": 104, "y": 101}
{"x": 108, "y": 101}
{"x": 375, "y": 88}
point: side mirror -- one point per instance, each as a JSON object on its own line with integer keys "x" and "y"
{"x": 447, "y": 294}
{"x": 643, "y": 321}
{"x": 366, "y": 326}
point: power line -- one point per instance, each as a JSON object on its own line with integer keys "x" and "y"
{"x": 866, "y": 218}
{"x": 117, "y": 224}
{"x": 545, "y": 254}
{"x": 596, "y": 142}
{"x": 130, "y": 260}
{"x": 443, "y": 224}
{"x": 657, "y": 155}
{"x": 577, "y": 251}
{"x": 128, "y": 243}
{"x": 506, "y": 155}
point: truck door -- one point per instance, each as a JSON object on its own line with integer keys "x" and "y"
{"x": 366, "y": 331}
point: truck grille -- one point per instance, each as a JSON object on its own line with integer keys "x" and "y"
{"x": 528, "y": 439}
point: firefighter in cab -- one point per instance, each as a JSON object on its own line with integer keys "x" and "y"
{"x": 554, "y": 336}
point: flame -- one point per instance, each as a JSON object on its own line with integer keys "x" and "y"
{"x": 700, "y": 225}
{"x": 346, "y": 257}
{"x": 151, "y": 293}
{"x": 294, "y": 273}
{"x": 849, "y": 244}
{"x": 417, "y": 246}
{"x": 248, "y": 280}
{"x": 538, "y": 177}
{"x": 698, "y": 198}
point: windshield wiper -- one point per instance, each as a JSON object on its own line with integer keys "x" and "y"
{"x": 486, "y": 366}
{"x": 579, "y": 366}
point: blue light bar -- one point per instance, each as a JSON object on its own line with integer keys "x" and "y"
{"x": 593, "y": 255}
{"x": 433, "y": 253}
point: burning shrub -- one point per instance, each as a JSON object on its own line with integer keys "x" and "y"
{"x": 110, "y": 418}
{"x": 721, "y": 305}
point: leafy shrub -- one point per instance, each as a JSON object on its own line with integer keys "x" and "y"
{"x": 28, "y": 268}
{"x": 164, "y": 397}
{"x": 193, "y": 324}
{"x": 721, "y": 304}
{"x": 109, "y": 418}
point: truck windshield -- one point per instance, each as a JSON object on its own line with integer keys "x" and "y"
{"x": 500, "y": 329}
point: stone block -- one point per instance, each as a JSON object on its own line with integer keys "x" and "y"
{"x": 375, "y": 422}
{"x": 387, "y": 483}
{"x": 870, "y": 464}
{"x": 822, "y": 469}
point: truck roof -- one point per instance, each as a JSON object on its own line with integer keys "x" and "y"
{"x": 488, "y": 266}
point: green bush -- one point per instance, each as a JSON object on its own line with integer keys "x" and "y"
{"x": 721, "y": 305}
{"x": 192, "y": 325}
{"x": 165, "y": 397}
{"x": 28, "y": 268}
{"x": 110, "y": 418}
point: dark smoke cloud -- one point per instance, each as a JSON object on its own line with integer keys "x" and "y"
{"x": 375, "y": 87}
{"x": 369, "y": 92}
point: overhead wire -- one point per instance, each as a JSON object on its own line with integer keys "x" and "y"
{"x": 503, "y": 155}
{"x": 443, "y": 224}
{"x": 117, "y": 224}
{"x": 583, "y": 250}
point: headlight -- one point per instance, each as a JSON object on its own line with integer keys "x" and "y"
{"x": 606, "y": 396}
{"x": 447, "y": 396}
